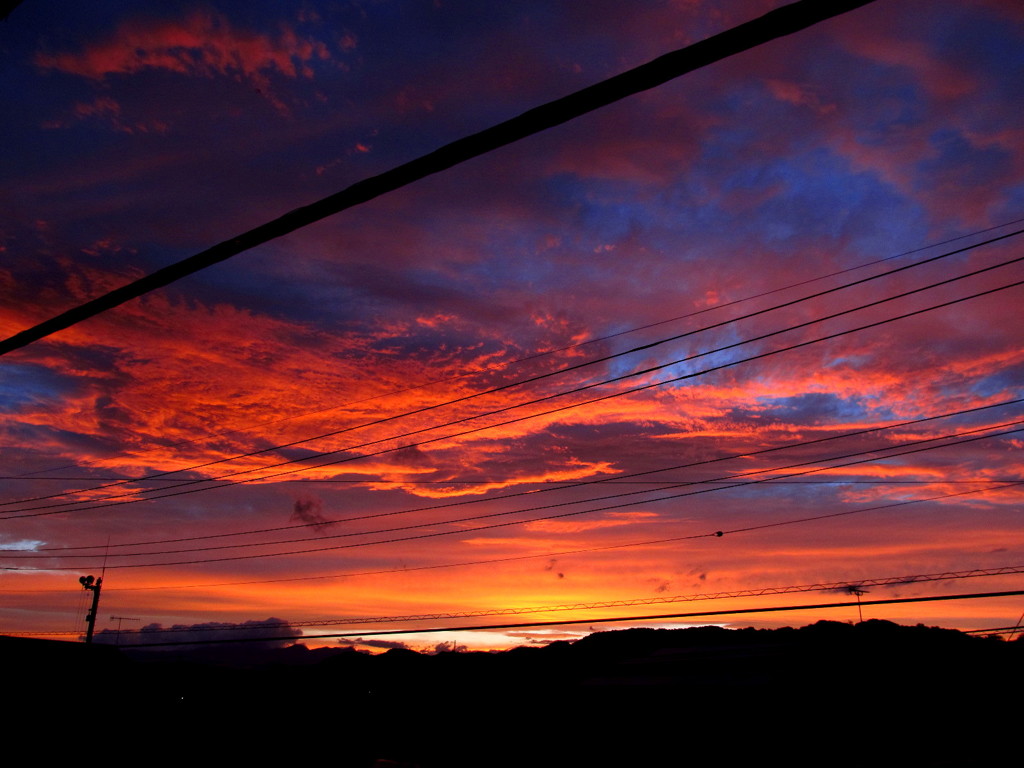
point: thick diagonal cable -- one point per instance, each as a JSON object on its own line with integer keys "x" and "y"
{"x": 522, "y": 382}
{"x": 622, "y": 505}
{"x": 775, "y": 24}
{"x": 577, "y": 484}
{"x": 139, "y": 495}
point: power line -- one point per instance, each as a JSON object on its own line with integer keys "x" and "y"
{"x": 491, "y": 526}
{"x": 605, "y": 397}
{"x": 533, "y": 379}
{"x": 536, "y": 556}
{"x": 516, "y": 558}
{"x": 471, "y": 518}
{"x": 775, "y": 24}
{"x": 760, "y": 592}
{"x": 139, "y": 494}
{"x": 993, "y": 631}
{"x": 502, "y": 366}
{"x": 561, "y": 484}
{"x": 610, "y": 620}
{"x": 715, "y": 534}
{"x": 586, "y": 483}
{"x": 591, "y": 605}
{"x": 633, "y": 390}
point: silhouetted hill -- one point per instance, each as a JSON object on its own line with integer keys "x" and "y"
{"x": 835, "y": 694}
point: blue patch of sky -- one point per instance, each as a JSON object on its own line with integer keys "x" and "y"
{"x": 426, "y": 31}
{"x": 510, "y": 259}
{"x": 607, "y": 211}
{"x": 972, "y": 165}
{"x": 25, "y": 545}
{"x": 1012, "y": 204}
{"x": 624, "y": 366}
{"x": 818, "y": 408}
{"x": 662, "y": 227}
{"x": 515, "y": 266}
{"x": 595, "y": 214}
{"x": 71, "y": 24}
{"x": 887, "y": 100}
{"x": 987, "y": 45}
{"x": 815, "y": 195}
{"x": 888, "y": 112}
{"x": 284, "y": 282}
{"x": 26, "y": 384}
{"x": 786, "y": 496}
{"x": 818, "y": 196}
{"x": 692, "y": 206}
{"x": 849, "y": 361}
{"x": 1005, "y": 380}
{"x": 705, "y": 343}
{"x": 419, "y": 290}
{"x": 73, "y": 443}
{"x": 798, "y": 188}
{"x": 313, "y": 294}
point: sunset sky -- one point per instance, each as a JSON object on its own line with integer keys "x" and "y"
{"x": 335, "y": 420}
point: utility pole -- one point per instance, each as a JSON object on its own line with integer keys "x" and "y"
{"x": 92, "y": 584}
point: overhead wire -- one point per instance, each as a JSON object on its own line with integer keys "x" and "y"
{"x": 1011, "y": 631}
{"x": 578, "y": 483}
{"x": 491, "y": 526}
{"x": 507, "y": 479}
{"x": 605, "y": 620}
{"x": 900, "y": 581}
{"x": 502, "y": 366}
{"x": 606, "y": 358}
{"x": 156, "y": 476}
{"x": 35, "y": 514}
{"x": 140, "y": 494}
{"x": 515, "y": 558}
{"x": 833, "y": 586}
{"x": 521, "y": 382}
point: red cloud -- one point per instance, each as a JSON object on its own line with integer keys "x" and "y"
{"x": 108, "y": 110}
{"x": 799, "y": 95}
{"x": 203, "y": 44}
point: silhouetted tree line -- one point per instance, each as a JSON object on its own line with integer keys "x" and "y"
{"x": 869, "y": 694}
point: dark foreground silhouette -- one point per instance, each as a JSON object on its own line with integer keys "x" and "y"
{"x": 827, "y": 694}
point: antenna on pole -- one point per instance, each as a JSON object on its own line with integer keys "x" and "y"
{"x": 854, "y": 589}
{"x": 119, "y": 619}
{"x": 92, "y": 584}
{"x": 106, "y": 552}
{"x": 1016, "y": 627}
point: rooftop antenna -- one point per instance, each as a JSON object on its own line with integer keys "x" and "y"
{"x": 119, "y": 619}
{"x": 857, "y": 590}
{"x": 1016, "y": 627}
{"x": 106, "y": 553}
